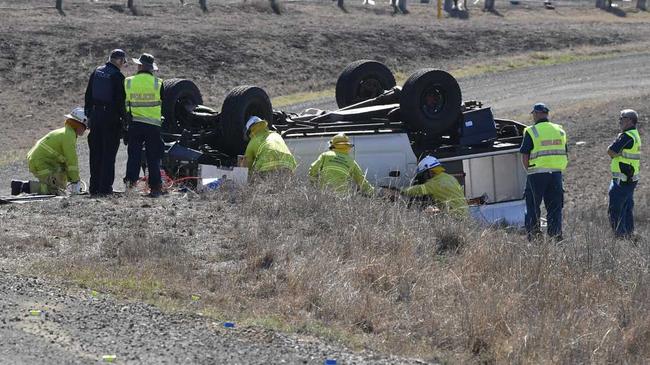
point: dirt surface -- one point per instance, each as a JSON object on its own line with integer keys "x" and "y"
{"x": 45, "y": 60}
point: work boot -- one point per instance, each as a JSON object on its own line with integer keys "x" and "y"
{"x": 155, "y": 192}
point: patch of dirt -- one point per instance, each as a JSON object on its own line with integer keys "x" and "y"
{"x": 45, "y": 59}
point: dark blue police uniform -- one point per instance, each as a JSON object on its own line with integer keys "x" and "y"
{"x": 104, "y": 106}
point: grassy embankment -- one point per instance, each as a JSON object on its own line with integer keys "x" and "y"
{"x": 373, "y": 274}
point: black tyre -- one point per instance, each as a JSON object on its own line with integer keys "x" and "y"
{"x": 180, "y": 98}
{"x": 362, "y": 80}
{"x": 240, "y": 104}
{"x": 430, "y": 102}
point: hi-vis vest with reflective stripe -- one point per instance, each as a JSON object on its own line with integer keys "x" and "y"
{"x": 630, "y": 156}
{"x": 549, "y": 148}
{"x": 143, "y": 98}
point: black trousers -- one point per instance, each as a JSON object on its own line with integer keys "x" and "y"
{"x": 147, "y": 135}
{"x": 103, "y": 143}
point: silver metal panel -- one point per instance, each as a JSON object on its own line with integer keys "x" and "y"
{"x": 500, "y": 177}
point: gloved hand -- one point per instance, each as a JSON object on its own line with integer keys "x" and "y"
{"x": 125, "y": 137}
{"x": 76, "y": 187}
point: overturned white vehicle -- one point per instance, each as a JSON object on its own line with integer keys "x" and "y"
{"x": 390, "y": 127}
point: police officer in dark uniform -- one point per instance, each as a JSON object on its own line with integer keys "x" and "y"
{"x": 105, "y": 108}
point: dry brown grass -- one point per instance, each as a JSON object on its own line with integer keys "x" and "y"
{"x": 376, "y": 274}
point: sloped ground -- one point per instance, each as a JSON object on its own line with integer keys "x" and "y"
{"x": 366, "y": 273}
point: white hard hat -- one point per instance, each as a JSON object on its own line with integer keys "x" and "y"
{"x": 428, "y": 162}
{"x": 79, "y": 115}
{"x": 252, "y": 120}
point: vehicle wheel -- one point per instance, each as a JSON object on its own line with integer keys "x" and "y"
{"x": 180, "y": 98}
{"x": 430, "y": 102}
{"x": 240, "y": 104}
{"x": 362, "y": 80}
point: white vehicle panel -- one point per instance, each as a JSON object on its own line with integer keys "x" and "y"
{"x": 499, "y": 177}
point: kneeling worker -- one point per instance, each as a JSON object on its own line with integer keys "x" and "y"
{"x": 335, "y": 168}
{"x": 53, "y": 159}
{"x": 266, "y": 152}
{"x": 432, "y": 181}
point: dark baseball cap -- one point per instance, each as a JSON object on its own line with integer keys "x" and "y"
{"x": 117, "y": 54}
{"x": 146, "y": 60}
{"x": 540, "y": 108}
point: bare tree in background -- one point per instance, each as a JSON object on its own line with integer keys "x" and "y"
{"x": 641, "y": 5}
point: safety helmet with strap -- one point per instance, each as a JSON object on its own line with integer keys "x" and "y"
{"x": 251, "y": 121}
{"x": 427, "y": 163}
{"x": 340, "y": 140}
{"x": 78, "y": 115}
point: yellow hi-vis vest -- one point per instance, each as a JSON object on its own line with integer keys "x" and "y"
{"x": 143, "y": 98}
{"x": 630, "y": 156}
{"x": 549, "y": 148}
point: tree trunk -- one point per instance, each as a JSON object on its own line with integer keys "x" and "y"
{"x": 641, "y": 5}
{"x": 204, "y": 5}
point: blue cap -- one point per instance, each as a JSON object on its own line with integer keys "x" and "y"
{"x": 540, "y": 107}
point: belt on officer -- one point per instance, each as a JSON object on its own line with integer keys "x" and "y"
{"x": 618, "y": 181}
{"x": 105, "y": 108}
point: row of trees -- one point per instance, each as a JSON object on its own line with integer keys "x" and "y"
{"x": 398, "y": 5}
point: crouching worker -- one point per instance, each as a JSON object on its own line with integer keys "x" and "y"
{"x": 266, "y": 153}
{"x": 432, "y": 181}
{"x": 335, "y": 169}
{"x": 53, "y": 160}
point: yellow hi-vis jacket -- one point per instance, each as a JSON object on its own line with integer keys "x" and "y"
{"x": 55, "y": 153}
{"x": 143, "y": 98}
{"x": 445, "y": 191}
{"x": 629, "y": 156}
{"x": 549, "y": 148}
{"x": 266, "y": 151}
{"x": 337, "y": 170}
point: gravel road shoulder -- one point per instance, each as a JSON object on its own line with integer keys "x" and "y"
{"x": 75, "y": 327}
